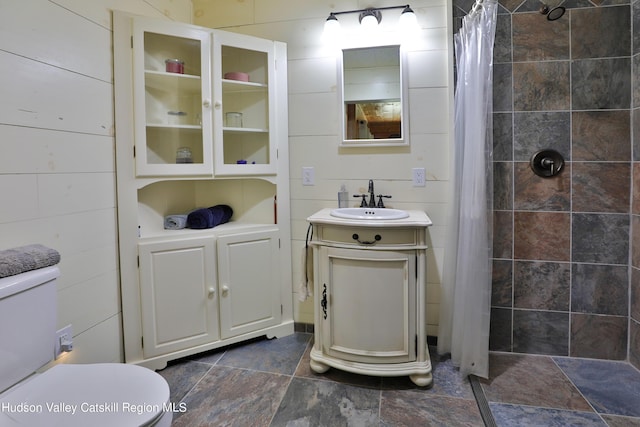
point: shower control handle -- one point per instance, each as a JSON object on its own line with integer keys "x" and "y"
{"x": 547, "y": 163}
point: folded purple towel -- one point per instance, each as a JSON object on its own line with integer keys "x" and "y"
{"x": 209, "y": 217}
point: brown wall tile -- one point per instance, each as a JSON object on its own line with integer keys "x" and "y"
{"x": 600, "y": 32}
{"x": 601, "y": 187}
{"x": 502, "y": 234}
{"x": 541, "y": 86}
{"x": 533, "y": 192}
{"x": 542, "y": 236}
{"x": 599, "y": 337}
{"x": 535, "y": 42}
{"x": 601, "y": 135}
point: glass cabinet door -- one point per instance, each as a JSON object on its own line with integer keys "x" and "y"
{"x": 244, "y": 106}
{"x": 172, "y": 99}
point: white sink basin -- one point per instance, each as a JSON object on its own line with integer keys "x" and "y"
{"x": 369, "y": 213}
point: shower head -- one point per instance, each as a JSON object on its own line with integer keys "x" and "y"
{"x": 552, "y": 13}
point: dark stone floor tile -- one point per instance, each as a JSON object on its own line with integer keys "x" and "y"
{"x": 618, "y": 421}
{"x": 233, "y": 397}
{"x": 280, "y": 355}
{"x": 322, "y": 403}
{"x": 531, "y": 380}
{"x": 401, "y": 408}
{"x": 516, "y": 416}
{"x": 182, "y": 376}
{"x": 611, "y": 387}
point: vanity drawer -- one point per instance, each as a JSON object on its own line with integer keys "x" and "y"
{"x": 368, "y": 236}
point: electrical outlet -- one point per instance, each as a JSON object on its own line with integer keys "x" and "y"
{"x": 418, "y": 177}
{"x": 64, "y": 341}
{"x": 308, "y": 176}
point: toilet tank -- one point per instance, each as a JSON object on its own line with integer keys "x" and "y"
{"x": 28, "y": 310}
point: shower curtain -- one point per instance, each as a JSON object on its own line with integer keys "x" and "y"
{"x": 466, "y": 294}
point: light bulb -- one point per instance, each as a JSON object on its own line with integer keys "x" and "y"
{"x": 331, "y": 28}
{"x": 369, "y": 22}
{"x": 408, "y": 20}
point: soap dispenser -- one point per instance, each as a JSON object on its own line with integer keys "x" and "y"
{"x": 343, "y": 197}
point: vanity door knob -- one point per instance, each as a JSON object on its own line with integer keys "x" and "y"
{"x": 212, "y": 292}
{"x": 217, "y": 105}
{"x": 206, "y": 103}
{"x": 225, "y": 290}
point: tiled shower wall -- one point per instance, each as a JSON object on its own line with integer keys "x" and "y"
{"x": 634, "y": 321}
{"x": 562, "y": 245}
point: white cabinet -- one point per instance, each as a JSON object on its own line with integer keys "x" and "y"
{"x": 249, "y": 279}
{"x": 244, "y": 111}
{"x": 179, "y": 295}
{"x": 172, "y": 110}
{"x": 188, "y": 302}
{"x": 185, "y": 290}
{"x": 370, "y": 296}
{"x": 210, "y": 94}
{"x": 362, "y": 286}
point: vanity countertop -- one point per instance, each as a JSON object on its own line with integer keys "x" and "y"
{"x": 415, "y": 219}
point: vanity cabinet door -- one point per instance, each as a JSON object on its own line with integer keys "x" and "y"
{"x": 172, "y": 99}
{"x": 178, "y": 293}
{"x": 249, "y": 279}
{"x": 367, "y": 303}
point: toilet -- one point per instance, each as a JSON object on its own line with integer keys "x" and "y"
{"x": 102, "y": 394}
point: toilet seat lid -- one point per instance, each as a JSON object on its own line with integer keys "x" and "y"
{"x": 106, "y": 394}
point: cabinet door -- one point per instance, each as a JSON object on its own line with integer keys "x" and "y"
{"x": 369, "y": 304}
{"x": 249, "y": 279}
{"x": 172, "y": 99}
{"x": 178, "y": 294}
{"x": 244, "y": 113}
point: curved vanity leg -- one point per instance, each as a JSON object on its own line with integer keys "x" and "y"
{"x": 318, "y": 367}
{"x": 421, "y": 380}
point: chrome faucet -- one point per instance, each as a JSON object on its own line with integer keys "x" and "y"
{"x": 372, "y": 197}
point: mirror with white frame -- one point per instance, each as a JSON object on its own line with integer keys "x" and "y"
{"x": 373, "y": 96}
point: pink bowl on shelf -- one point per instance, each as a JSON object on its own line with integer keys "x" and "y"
{"x": 236, "y": 75}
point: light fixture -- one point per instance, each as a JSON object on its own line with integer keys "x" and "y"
{"x": 370, "y": 18}
{"x": 331, "y": 25}
{"x": 408, "y": 18}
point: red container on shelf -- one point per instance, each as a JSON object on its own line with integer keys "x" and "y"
{"x": 174, "y": 66}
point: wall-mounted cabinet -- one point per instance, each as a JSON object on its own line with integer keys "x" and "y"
{"x": 201, "y": 120}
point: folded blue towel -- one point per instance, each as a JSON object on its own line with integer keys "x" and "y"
{"x": 209, "y": 217}
{"x": 200, "y": 218}
{"x": 221, "y": 214}
{"x": 175, "y": 222}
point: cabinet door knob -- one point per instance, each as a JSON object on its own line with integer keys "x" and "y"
{"x": 206, "y": 103}
{"x": 225, "y": 290}
{"x": 212, "y": 292}
{"x": 217, "y": 105}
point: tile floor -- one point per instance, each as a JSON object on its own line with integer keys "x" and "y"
{"x": 269, "y": 383}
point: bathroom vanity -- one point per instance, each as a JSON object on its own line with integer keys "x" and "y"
{"x": 370, "y": 294}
